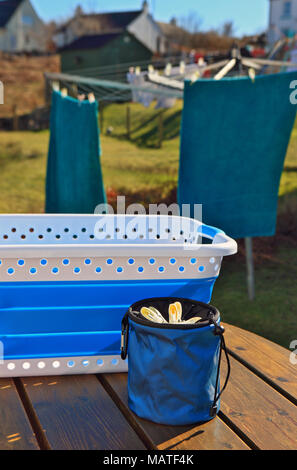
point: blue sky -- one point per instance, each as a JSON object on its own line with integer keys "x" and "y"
{"x": 249, "y": 16}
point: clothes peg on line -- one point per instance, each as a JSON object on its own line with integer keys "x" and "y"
{"x": 64, "y": 92}
{"x": 91, "y": 97}
{"x": 182, "y": 67}
{"x": 137, "y": 70}
{"x": 56, "y": 86}
{"x": 151, "y": 69}
{"x": 195, "y": 76}
{"x": 252, "y": 74}
{"x": 168, "y": 70}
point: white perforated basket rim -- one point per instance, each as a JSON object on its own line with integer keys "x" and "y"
{"x": 222, "y": 244}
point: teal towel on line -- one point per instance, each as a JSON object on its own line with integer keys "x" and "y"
{"x": 234, "y": 140}
{"x": 74, "y": 182}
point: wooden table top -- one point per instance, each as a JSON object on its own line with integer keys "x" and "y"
{"x": 258, "y": 410}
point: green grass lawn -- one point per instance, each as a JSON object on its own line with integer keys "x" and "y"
{"x": 148, "y": 174}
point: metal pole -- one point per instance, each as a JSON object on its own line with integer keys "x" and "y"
{"x": 250, "y": 267}
{"x": 128, "y": 122}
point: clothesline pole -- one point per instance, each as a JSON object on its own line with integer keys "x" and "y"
{"x": 128, "y": 121}
{"x": 161, "y": 129}
{"x": 101, "y": 116}
{"x": 250, "y": 267}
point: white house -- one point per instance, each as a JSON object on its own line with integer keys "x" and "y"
{"x": 140, "y": 23}
{"x": 21, "y": 29}
{"x": 282, "y": 19}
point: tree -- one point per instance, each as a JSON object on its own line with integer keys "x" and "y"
{"x": 191, "y": 23}
{"x": 228, "y": 29}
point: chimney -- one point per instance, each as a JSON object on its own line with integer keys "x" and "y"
{"x": 145, "y": 6}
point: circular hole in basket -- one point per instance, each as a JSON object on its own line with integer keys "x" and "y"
{"x": 83, "y": 230}
{"x": 76, "y": 270}
{"x": 21, "y": 262}
{"x": 66, "y": 262}
{"x": 172, "y": 261}
{"x": 125, "y": 237}
{"x": 212, "y": 260}
{"x": 11, "y": 366}
{"x": 31, "y": 230}
{"x": 75, "y": 237}
{"x": 98, "y": 270}
{"x": 117, "y": 230}
{"x": 43, "y": 262}
{"x": 100, "y": 362}
{"x": 10, "y": 271}
{"x": 114, "y": 362}
{"x": 158, "y": 237}
{"x": 23, "y": 237}
{"x": 161, "y": 269}
{"x": 41, "y": 365}
{"x": 140, "y": 269}
{"x": 40, "y": 237}
{"x": 26, "y": 365}
{"x": 201, "y": 269}
{"x": 85, "y": 363}
{"x": 152, "y": 261}
{"x": 193, "y": 260}
{"x": 120, "y": 270}
{"x": 92, "y": 237}
{"x": 58, "y": 237}
{"x": 131, "y": 261}
{"x": 33, "y": 271}
{"x": 70, "y": 364}
{"x": 66, "y": 230}
{"x": 49, "y": 230}
{"x": 109, "y": 261}
{"x": 55, "y": 270}
{"x": 181, "y": 269}
{"x": 88, "y": 261}
{"x": 5, "y": 237}
{"x": 13, "y": 230}
{"x": 56, "y": 364}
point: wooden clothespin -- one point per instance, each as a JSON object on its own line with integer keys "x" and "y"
{"x": 195, "y": 76}
{"x": 137, "y": 70}
{"x": 64, "y": 92}
{"x": 252, "y": 74}
{"x": 56, "y": 86}
{"x": 91, "y": 97}
{"x": 168, "y": 70}
{"x": 182, "y": 67}
{"x": 151, "y": 69}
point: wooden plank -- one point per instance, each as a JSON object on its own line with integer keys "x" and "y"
{"x": 209, "y": 436}
{"x": 15, "y": 429}
{"x": 76, "y": 413}
{"x": 258, "y": 411}
{"x": 267, "y": 358}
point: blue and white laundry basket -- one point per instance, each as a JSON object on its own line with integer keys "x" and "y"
{"x": 67, "y": 280}
{"x": 174, "y": 369}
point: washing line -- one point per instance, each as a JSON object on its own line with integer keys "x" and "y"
{"x": 113, "y": 90}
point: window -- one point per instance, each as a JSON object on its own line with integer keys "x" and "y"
{"x": 27, "y": 20}
{"x": 287, "y": 10}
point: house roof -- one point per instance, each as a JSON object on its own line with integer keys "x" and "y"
{"x": 93, "y": 41}
{"x": 7, "y": 9}
{"x": 170, "y": 30}
{"x": 115, "y": 21}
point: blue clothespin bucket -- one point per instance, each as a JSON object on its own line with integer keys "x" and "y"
{"x": 174, "y": 369}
